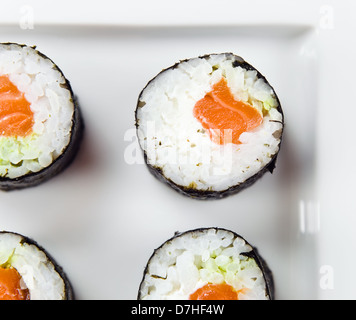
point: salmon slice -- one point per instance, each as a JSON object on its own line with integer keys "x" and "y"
{"x": 225, "y": 117}
{"x": 210, "y": 291}
{"x": 10, "y": 286}
{"x": 16, "y": 116}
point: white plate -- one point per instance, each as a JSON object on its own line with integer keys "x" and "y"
{"x": 102, "y": 218}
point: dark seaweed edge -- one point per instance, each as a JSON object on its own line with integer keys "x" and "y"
{"x": 68, "y": 155}
{"x": 68, "y": 288}
{"x": 206, "y": 194}
{"x": 254, "y": 254}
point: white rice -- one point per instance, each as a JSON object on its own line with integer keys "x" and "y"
{"x": 175, "y": 141}
{"x": 194, "y": 259}
{"x": 37, "y": 271}
{"x": 51, "y": 103}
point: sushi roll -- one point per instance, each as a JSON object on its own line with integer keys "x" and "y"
{"x": 206, "y": 264}
{"x": 28, "y": 272}
{"x": 40, "y": 121}
{"x": 209, "y": 126}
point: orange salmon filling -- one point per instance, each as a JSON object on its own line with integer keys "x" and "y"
{"x": 10, "y": 288}
{"x": 218, "y": 111}
{"x": 215, "y": 292}
{"x": 16, "y": 117}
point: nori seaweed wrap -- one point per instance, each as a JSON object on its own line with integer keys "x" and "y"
{"x": 28, "y": 272}
{"x": 40, "y": 121}
{"x": 206, "y": 264}
{"x": 209, "y": 126}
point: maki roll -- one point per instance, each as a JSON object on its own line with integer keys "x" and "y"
{"x": 28, "y": 272}
{"x": 206, "y": 264}
{"x": 40, "y": 122}
{"x": 209, "y": 126}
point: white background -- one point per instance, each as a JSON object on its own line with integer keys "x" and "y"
{"x": 102, "y": 217}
